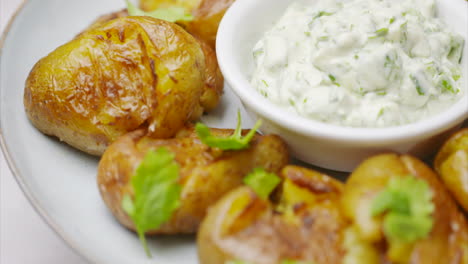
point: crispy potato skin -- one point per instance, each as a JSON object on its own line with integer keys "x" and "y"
{"x": 241, "y": 226}
{"x": 205, "y": 173}
{"x": 214, "y": 80}
{"x": 448, "y": 241}
{"x": 207, "y": 15}
{"x": 129, "y": 73}
{"x": 452, "y": 165}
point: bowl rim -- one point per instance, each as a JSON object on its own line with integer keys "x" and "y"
{"x": 424, "y": 128}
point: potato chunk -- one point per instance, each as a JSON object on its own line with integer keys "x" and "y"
{"x": 302, "y": 222}
{"x": 207, "y": 15}
{"x": 206, "y": 174}
{"x": 129, "y": 73}
{"x": 447, "y": 241}
{"x": 452, "y": 165}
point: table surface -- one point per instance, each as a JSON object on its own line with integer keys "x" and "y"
{"x": 24, "y": 237}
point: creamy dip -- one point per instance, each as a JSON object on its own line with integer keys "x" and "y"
{"x": 360, "y": 63}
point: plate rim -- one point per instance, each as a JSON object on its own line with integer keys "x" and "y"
{"x": 26, "y": 190}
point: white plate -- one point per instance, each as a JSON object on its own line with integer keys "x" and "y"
{"x": 58, "y": 180}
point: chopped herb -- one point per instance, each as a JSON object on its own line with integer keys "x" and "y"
{"x": 323, "y": 38}
{"x": 291, "y": 102}
{"x": 406, "y": 206}
{"x": 392, "y": 20}
{"x": 156, "y": 192}
{"x": 447, "y": 86}
{"x": 380, "y": 33}
{"x": 234, "y": 142}
{"x": 382, "y": 93}
{"x": 333, "y": 79}
{"x": 319, "y": 14}
{"x": 322, "y": 13}
{"x": 257, "y": 53}
{"x": 170, "y": 14}
{"x": 262, "y": 182}
{"x": 307, "y": 33}
{"x": 456, "y": 51}
{"x": 356, "y": 56}
{"x": 419, "y": 89}
{"x": 456, "y": 77}
{"x": 361, "y": 91}
{"x": 265, "y": 83}
{"x": 381, "y": 112}
{"x": 404, "y": 33}
{"x": 264, "y": 93}
{"x": 391, "y": 67}
{"x": 305, "y": 100}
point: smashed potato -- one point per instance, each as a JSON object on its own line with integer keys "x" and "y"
{"x": 452, "y": 165}
{"x": 214, "y": 80}
{"x": 301, "y": 222}
{"x": 205, "y": 173}
{"x": 129, "y": 73}
{"x": 447, "y": 241}
{"x": 207, "y": 15}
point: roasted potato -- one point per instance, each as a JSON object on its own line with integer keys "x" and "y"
{"x": 447, "y": 242}
{"x": 205, "y": 173}
{"x": 214, "y": 80}
{"x": 207, "y": 15}
{"x": 129, "y": 73}
{"x": 452, "y": 165}
{"x": 302, "y": 222}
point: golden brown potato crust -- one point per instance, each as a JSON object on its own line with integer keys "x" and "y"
{"x": 448, "y": 241}
{"x": 302, "y": 222}
{"x": 205, "y": 173}
{"x": 452, "y": 165}
{"x": 128, "y": 73}
{"x": 207, "y": 15}
{"x": 214, "y": 80}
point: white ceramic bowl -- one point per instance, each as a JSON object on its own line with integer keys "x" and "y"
{"x": 328, "y": 146}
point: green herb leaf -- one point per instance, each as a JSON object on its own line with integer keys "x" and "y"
{"x": 382, "y": 32}
{"x": 419, "y": 89}
{"x": 322, "y": 13}
{"x": 407, "y": 207}
{"x": 318, "y": 15}
{"x": 447, "y": 86}
{"x": 170, "y": 14}
{"x": 333, "y": 79}
{"x": 381, "y": 112}
{"x": 234, "y": 142}
{"x": 456, "y": 51}
{"x": 156, "y": 192}
{"x": 262, "y": 182}
{"x": 291, "y": 102}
